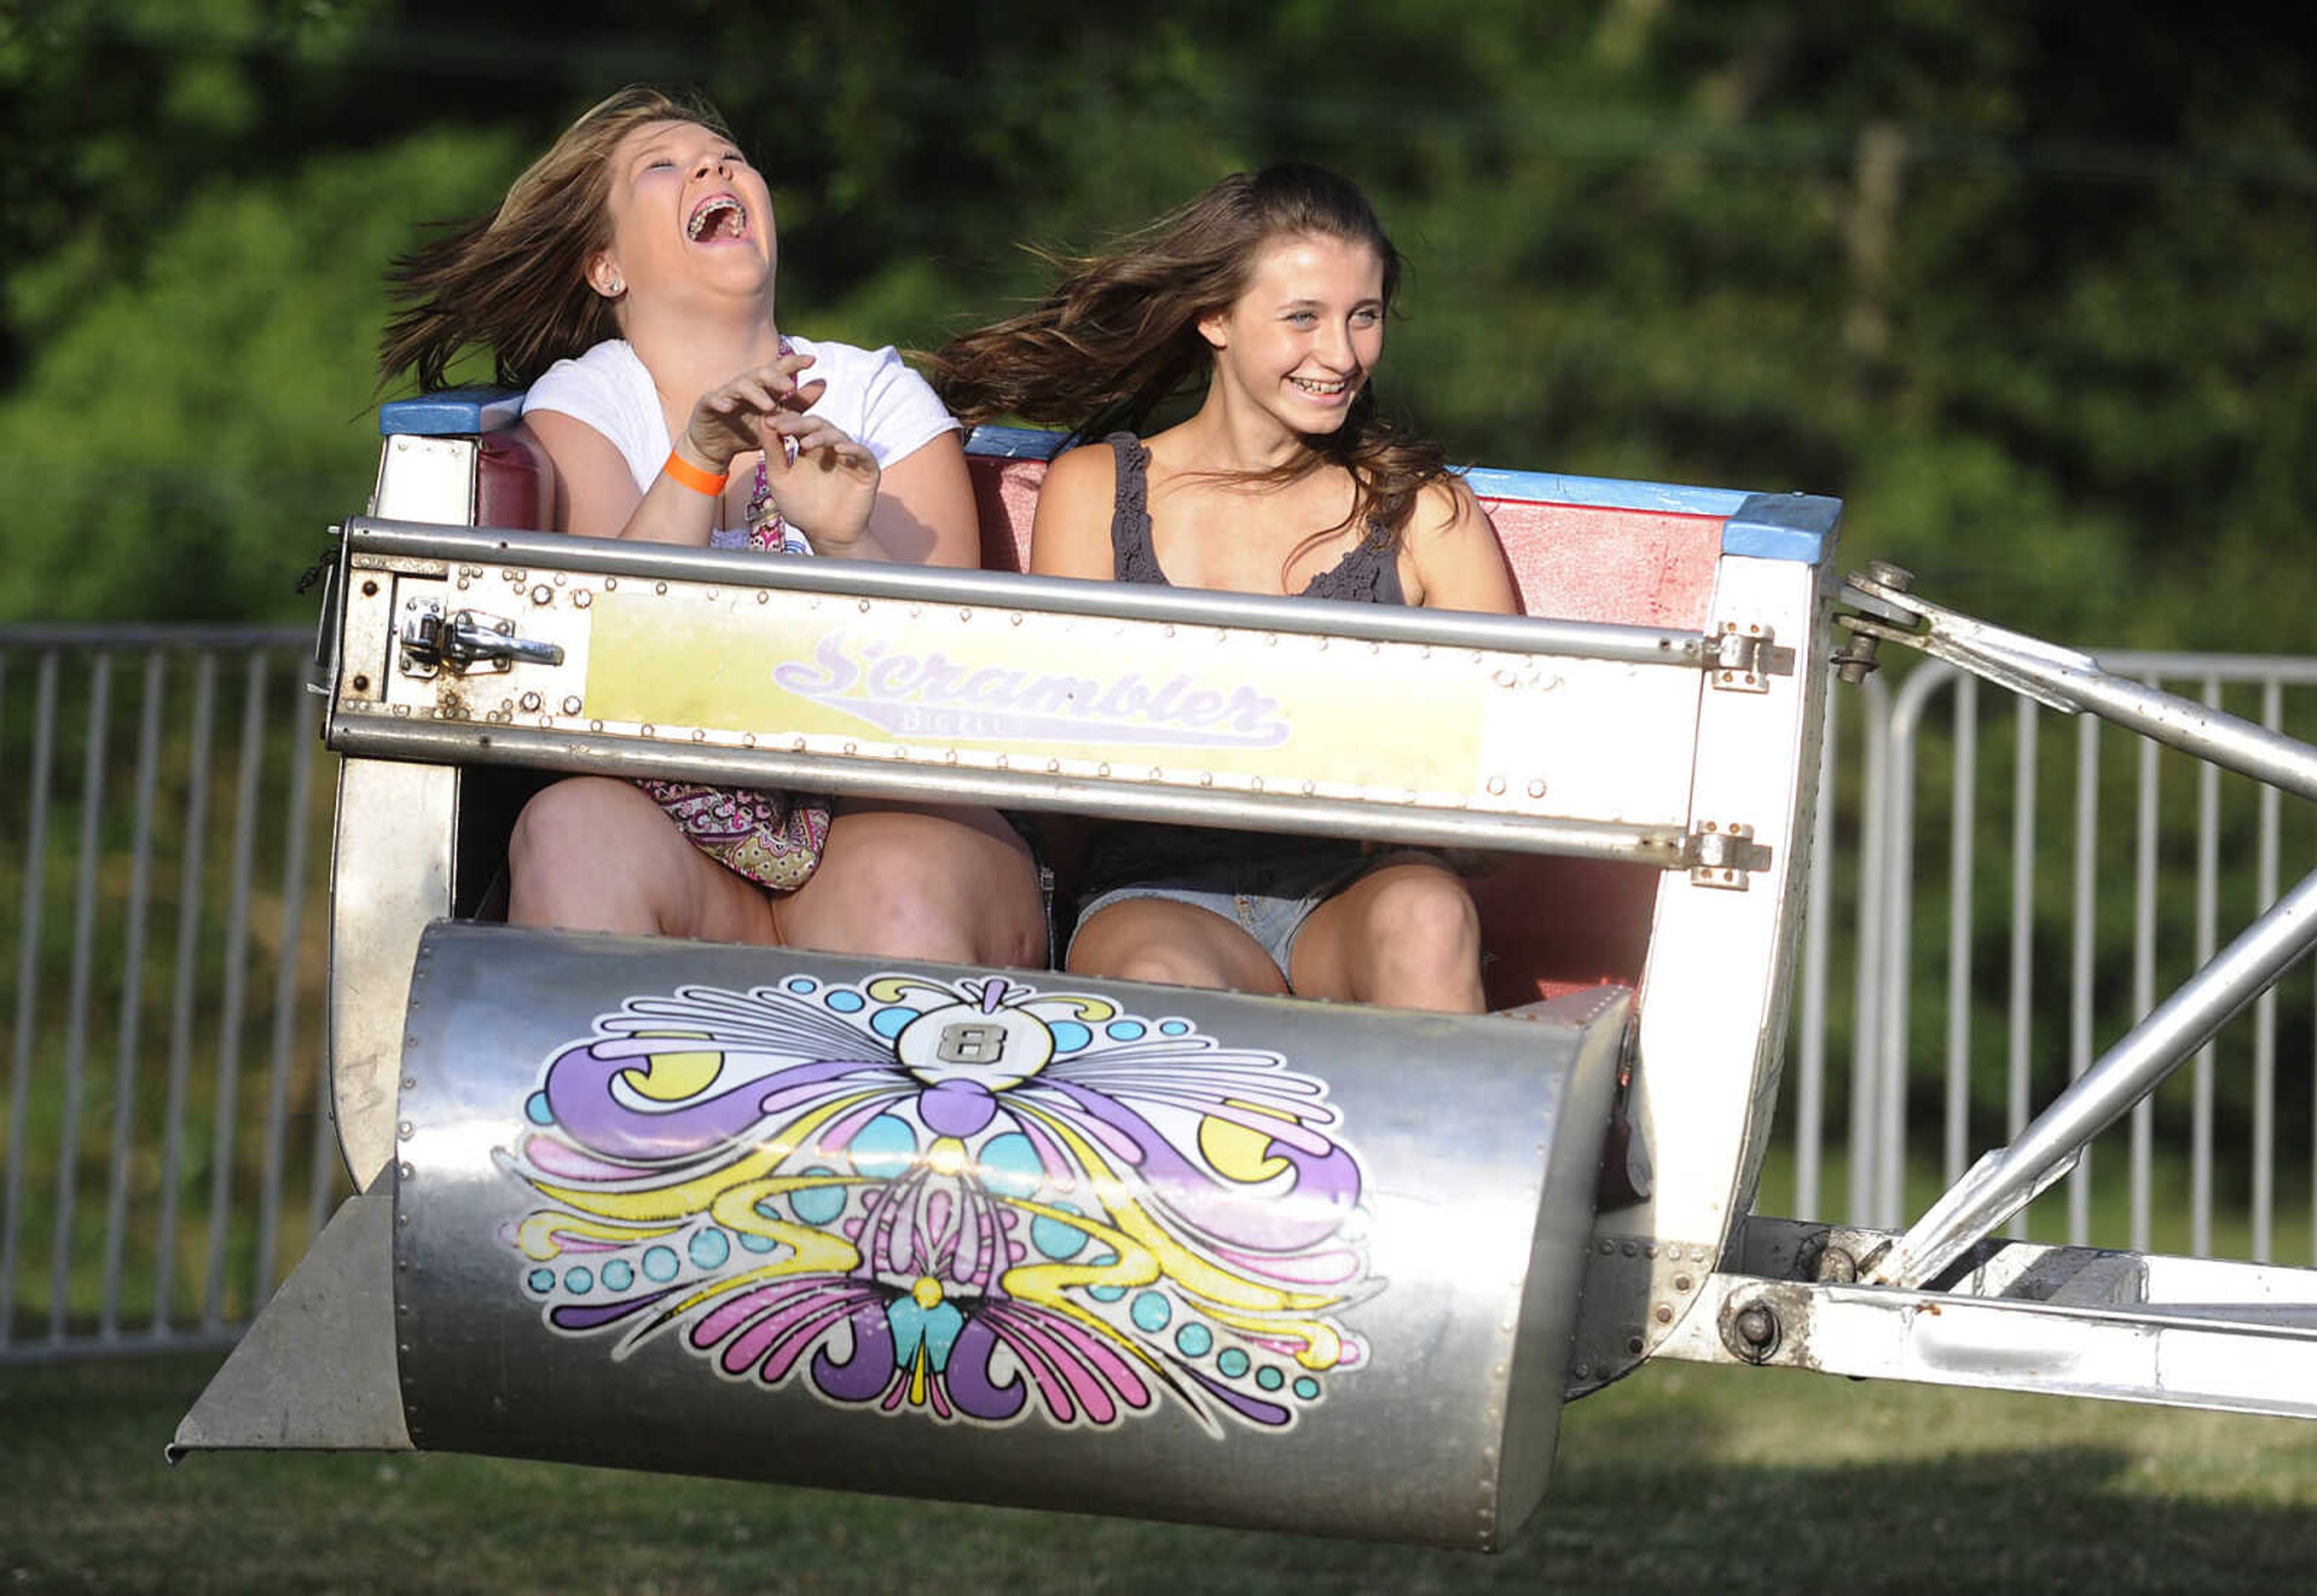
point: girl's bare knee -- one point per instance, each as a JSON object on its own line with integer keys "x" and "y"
{"x": 596, "y": 855}
{"x": 558, "y": 839}
{"x": 562, "y": 826}
{"x": 1425, "y": 915}
{"x": 1156, "y": 963}
{"x": 900, "y": 884}
{"x": 1169, "y": 944}
{"x": 1413, "y": 941}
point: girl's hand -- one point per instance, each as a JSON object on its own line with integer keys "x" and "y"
{"x": 729, "y": 420}
{"x": 828, "y": 491}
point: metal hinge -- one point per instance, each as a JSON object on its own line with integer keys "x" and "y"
{"x": 1746, "y": 658}
{"x": 467, "y": 640}
{"x": 1723, "y": 854}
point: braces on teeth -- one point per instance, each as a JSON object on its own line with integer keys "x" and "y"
{"x": 722, "y": 208}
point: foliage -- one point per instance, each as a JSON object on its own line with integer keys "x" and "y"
{"x": 2029, "y": 293}
{"x": 179, "y": 441}
{"x": 2029, "y": 298}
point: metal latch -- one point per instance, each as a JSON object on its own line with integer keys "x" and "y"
{"x": 1746, "y": 658}
{"x": 467, "y": 640}
{"x": 1723, "y": 854}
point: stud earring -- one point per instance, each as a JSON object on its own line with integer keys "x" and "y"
{"x": 615, "y": 287}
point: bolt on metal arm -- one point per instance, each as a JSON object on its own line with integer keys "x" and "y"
{"x": 2006, "y": 1180}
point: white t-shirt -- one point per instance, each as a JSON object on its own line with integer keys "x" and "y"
{"x": 872, "y": 398}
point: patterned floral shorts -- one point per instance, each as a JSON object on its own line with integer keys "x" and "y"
{"x": 772, "y": 838}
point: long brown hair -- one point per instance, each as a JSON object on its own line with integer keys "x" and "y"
{"x": 516, "y": 280}
{"x": 1120, "y": 334}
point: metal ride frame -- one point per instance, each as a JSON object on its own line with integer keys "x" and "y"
{"x": 1942, "y": 1301}
{"x": 1689, "y": 749}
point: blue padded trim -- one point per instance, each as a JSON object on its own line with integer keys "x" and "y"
{"x": 1783, "y": 526}
{"x": 1015, "y": 442}
{"x": 1608, "y": 493}
{"x": 452, "y": 412}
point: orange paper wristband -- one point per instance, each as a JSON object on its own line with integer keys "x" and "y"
{"x": 693, "y": 477}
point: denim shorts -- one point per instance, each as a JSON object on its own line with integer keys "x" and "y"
{"x": 1269, "y": 896}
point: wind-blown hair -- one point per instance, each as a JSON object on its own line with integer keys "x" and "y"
{"x": 1120, "y": 334}
{"x": 515, "y": 281}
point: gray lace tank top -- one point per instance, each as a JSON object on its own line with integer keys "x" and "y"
{"x": 1368, "y": 574}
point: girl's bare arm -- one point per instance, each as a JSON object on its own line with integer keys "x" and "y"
{"x": 1453, "y": 555}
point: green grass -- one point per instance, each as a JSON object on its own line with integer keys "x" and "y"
{"x": 1679, "y": 1479}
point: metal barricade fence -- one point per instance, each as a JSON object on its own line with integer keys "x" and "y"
{"x": 168, "y": 1148}
{"x": 2006, "y": 935}
{"x": 165, "y": 808}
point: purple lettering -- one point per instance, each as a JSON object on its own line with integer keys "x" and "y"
{"x": 1254, "y": 712}
{"x": 992, "y": 685}
{"x": 1201, "y": 709}
{"x": 1162, "y": 705}
{"x": 941, "y": 678}
{"x": 838, "y": 673}
{"x": 1127, "y": 697}
{"x": 909, "y": 694}
{"x": 893, "y": 676}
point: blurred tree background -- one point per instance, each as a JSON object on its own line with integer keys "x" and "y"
{"x": 2028, "y": 288}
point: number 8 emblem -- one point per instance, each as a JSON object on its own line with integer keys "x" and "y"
{"x": 970, "y": 1043}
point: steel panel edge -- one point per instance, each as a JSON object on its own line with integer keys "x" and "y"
{"x": 1570, "y": 1175}
{"x": 316, "y": 1372}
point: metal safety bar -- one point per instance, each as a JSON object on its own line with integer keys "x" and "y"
{"x": 852, "y": 579}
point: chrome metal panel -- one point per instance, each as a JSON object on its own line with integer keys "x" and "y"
{"x": 316, "y": 1372}
{"x": 364, "y": 636}
{"x": 390, "y": 876}
{"x": 423, "y": 479}
{"x": 1028, "y": 1240}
